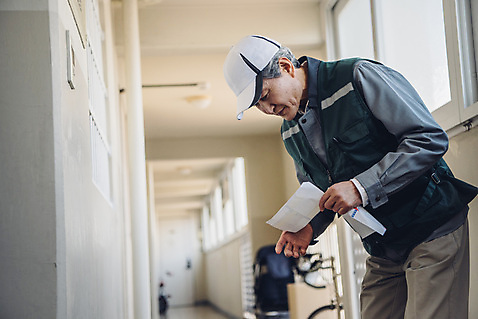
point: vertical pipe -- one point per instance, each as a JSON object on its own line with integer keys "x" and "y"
{"x": 137, "y": 165}
{"x": 349, "y": 278}
{"x": 153, "y": 241}
{"x": 375, "y": 27}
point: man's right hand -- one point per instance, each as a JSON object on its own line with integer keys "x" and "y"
{"x": 295, "y": 244}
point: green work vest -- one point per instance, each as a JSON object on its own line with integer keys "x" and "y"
{"x": 354, "y": 140}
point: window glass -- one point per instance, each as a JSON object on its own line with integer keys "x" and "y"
{"x": 206, "y": 236}
{"x": 227, "y": 207}
{"x": 467, "y": 12}
{"x": 217, "y": 212}
{"x": 228, "y": 218}
{"x": 411, "y": 39}
{"x": 225, "y": 211}
{"x": 212, "y": 229}
{"x": 239, "y": 189}
{"x": 354, "y": 29}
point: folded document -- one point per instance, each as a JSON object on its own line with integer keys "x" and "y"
{"x": 304, "y": 205}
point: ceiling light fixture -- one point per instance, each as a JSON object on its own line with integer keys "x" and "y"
{"x": 200, "y": 85}
{"x": 200, "y": 101}
{"x": 185, "y": 170}
{"x": 149, "y": 2}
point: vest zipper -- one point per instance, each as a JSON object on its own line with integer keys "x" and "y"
{"x": 326, "y": 166}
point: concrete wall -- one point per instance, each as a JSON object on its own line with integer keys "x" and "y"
{"x": 62, "y": 243}
{"x": 28, "y": 272}
{"x": 94, "y": 227}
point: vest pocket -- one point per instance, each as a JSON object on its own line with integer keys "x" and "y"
{"x": 356, "y": 145}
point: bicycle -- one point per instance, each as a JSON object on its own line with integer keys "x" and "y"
{"x": 309, "y": 267}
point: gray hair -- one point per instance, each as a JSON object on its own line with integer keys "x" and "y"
{"x": 272, "y": 70}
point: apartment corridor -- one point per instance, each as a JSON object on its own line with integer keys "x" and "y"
{"x": 198, "y": 312}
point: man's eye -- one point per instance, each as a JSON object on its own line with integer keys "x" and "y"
{"x": 264, "y": 98}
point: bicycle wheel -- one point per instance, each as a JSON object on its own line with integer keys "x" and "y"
{"x": 317, "y": 311}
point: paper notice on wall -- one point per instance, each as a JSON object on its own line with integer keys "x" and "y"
{"x": 304, "y": 205}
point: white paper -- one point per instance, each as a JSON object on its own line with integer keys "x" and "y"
{"x": 299, "y": 209}
{"x": 304, "y": 205}
{"x": 363, "y": 222}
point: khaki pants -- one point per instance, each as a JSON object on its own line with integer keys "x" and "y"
{"x": 432, "y": 283}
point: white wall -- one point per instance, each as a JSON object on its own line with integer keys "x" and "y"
{"x": 462, "y": 158}
{"x": 223, "y": 275}
{"x": 62, "y": 243}
{"x": 94, "y": 227}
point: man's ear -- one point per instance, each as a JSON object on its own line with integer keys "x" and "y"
{"x": 286, "y": 65}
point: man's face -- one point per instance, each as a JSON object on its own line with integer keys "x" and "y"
{"x": 281, "y": 96}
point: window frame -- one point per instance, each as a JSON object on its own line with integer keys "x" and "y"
{"x": 219, "y": 225}
{"x": 99, "y": 104}
{"x": 462, "y": 56}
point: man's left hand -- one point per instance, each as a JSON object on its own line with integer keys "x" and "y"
{"x": 295, "y": 244}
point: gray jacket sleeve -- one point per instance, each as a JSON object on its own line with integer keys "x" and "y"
{"x": 393, "y": 101}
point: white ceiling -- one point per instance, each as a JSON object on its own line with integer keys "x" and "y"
{"x": 186, "y": 41}
{"x": 181, "y": 185}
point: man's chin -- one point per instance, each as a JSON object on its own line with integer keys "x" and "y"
{"x": 287, "y": 117}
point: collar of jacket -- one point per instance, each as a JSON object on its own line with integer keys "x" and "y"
{"x": 312, "y": 79}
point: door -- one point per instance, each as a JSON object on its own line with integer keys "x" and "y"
{"x": 176, "y": 238}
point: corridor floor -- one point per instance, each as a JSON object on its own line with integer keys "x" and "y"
{"x": 199, "y": 312}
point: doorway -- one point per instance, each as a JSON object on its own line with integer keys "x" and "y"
{"x": 176, "y": 259}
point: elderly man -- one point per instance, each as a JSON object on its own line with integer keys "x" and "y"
{"x": 358, "y": 130}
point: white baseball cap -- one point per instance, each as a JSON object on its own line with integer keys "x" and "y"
{"x": 243, "y": 69}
